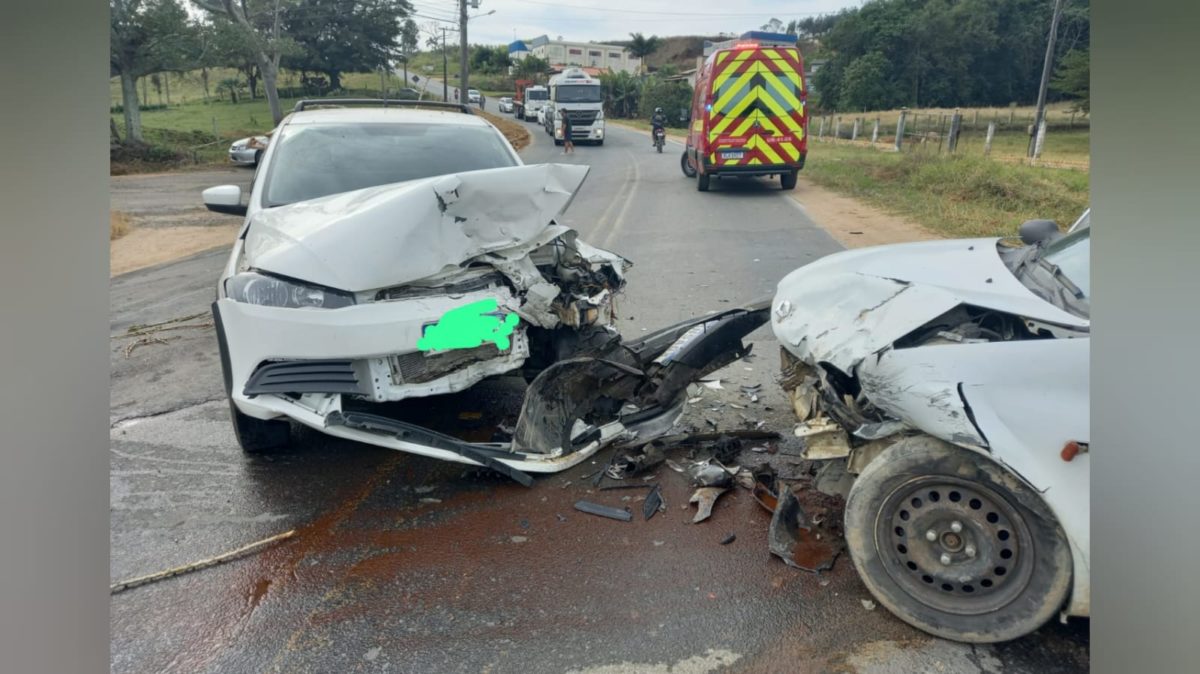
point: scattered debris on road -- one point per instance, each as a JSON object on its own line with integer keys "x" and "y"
{"x": 654, "y": 502}
{"x": 793, "y": 539}
{"x": 705, "y": 498}
{"x": 729, "y": 539}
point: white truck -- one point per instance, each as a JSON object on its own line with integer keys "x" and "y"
{"x": 530, "y": 99}
{"x": 576, "y": 95}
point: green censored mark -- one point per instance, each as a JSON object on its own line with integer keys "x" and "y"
{"x": 470, "y": 326}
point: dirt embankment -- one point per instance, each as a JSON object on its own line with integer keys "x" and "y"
{"x": 516, "y": 133}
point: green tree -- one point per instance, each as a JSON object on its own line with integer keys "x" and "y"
{"x": 489, "y": 60}
{"x": 409, "y": 37}
{"x": 339, "y": 36}
{"x": 531, "y": 67}
{"x": 146, "y": 37}
{"x": 621, "y": 93}
{"x": 865, "y": 84}
{"x": 262, "y": 27}
{"x": 674, "y": 97}
{"x": 1073, "y": 78}
{"x": 641, "y": 46}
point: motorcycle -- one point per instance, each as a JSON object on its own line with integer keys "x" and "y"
{"x": 660, "y": 138}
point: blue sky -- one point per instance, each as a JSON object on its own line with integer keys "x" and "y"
{"x": 586, "y": 20}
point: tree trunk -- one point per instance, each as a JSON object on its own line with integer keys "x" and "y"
{"x": 335, "y": 80}
{"x": 133, "y": 114}
{"x": 167, "y": 84}
{"x": 114, "y": 135}
{"x": 252, "y": 80}
{"x": 204, "y": 79}
{"x": 270, "y": 73}
{"x": 145, "y": 93}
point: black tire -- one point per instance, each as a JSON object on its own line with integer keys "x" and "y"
{"x": 600, "y": 142}
{"x": 257, "y": 157}
{"x": 788, "y": 180}
{"x": 686, "y": 166}
{"x": 257, "y": 436}
{"x": 557, "y": 141}
{"x": 702, "y": 181}
{"x": 1009, "y": 568}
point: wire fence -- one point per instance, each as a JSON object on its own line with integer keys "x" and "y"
{"x": 1010, "y": 135}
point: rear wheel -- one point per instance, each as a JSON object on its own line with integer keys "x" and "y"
{"x": 955, "y": 545}
{"x": 257, "y": 436}
{"x": 702, "y": 182}
{"x": 788, "y": 180}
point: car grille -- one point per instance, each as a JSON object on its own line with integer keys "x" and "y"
{"x": 410, "y": 292}
{"x": 418, "y": 368}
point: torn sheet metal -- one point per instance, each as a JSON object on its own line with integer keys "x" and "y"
{"x": 654, "y": 502}
{"x": 792, "y": 538}
{"x": 395, "y": 234}
{"x": 705, "y": 498}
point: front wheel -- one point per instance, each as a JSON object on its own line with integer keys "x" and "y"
{"x": 686, "y": 165}
{"x": 256, "y": 436}
{"x": 955, "y": 545}
{"x": 659, "y": 146}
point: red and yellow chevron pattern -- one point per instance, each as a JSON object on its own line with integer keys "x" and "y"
{"x": 757, "y": 107}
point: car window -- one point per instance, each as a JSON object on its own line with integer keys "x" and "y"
{"x": 321, "y": 159}
{"x": 538, "y": 95}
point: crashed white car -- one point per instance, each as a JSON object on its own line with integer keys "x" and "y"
{"x": 953, "y": 376}
{"x": 398, "y": 253}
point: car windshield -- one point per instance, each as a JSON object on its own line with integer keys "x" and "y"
{"x": 538, "y": 95}
{"x": 317, "y": 160}
{"x": 1072, "y": 255}
{"x": 578, "y": 93}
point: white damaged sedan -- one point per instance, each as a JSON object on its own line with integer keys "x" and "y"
{"x": 399, "y": 253}
{"x": 953, "y": 378}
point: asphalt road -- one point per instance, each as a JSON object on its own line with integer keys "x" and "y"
{"x": 404, "y": 564}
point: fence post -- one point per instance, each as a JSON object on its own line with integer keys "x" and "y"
{"x": 1040, "y": 140}
{"x": 975, "y": 124}
{"x": 1012, "y": 114}
{"x": 1071, "y": 124}
{"x": 821, "y": 132}
{"x": 987, "y": 142}
{"x": 941, "y": 132}
{"x": 875, "y": 132}
{"x": 955, "y": 128}
{"x": 837, "y": 128}
{"x": 215, "y": 136}
{"x": 854, "y": 131}
{"x": 900, "y": 129}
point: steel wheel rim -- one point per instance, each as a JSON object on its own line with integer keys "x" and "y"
{"x": 979, "y": 568}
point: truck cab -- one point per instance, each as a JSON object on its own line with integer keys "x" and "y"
{"x": 529, "y": 100}
{"x": 575, "y": 94}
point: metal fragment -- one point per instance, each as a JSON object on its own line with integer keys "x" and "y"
{"x": 705, "y": 498}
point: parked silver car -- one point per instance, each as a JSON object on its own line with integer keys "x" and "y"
{"x": 248, "y": 151}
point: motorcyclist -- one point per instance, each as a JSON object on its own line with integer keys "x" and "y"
{"x": 657, "y": 121}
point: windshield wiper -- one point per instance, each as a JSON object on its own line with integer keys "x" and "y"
{"x": 1056, "y": 272}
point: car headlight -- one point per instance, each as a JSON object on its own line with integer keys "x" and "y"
{"x": 238, "y": 146}
{"x": 270, "y": 291}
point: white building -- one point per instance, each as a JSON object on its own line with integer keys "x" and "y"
{"x": 560, "y": 53}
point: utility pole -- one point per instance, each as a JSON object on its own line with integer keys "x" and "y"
{"x": 445, "y": 69}
{"x": 462, "y": 57}
{"x": 1047, "y": 68}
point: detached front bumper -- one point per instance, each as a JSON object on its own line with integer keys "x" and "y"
{"x": 617, "y": 391}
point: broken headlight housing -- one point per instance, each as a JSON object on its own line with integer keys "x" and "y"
{"x": 271, "y": 291}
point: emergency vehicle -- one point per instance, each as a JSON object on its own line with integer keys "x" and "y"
{"x": 748, "y": 115}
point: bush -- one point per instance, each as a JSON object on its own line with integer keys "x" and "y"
{"x": 120, "y": 109}
{"x": 674, "y": 97}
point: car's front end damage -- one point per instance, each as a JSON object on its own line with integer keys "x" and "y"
{"x": 944, "y": 339}
{"x": 428, "y": 287}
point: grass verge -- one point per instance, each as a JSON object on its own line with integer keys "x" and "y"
{"x": 954, "y": 196}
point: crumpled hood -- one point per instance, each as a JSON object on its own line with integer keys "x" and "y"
{"x": 395, "y": 234}
{"x": 849, "y": 305}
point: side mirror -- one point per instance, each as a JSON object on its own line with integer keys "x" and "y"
{"x": 1038, "y": 231}
{"x": 224, "y": 199}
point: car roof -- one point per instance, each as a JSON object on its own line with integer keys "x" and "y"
{"x": 396, "y": 115}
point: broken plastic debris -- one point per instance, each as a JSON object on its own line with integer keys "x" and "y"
{"x": 518, "y": 539}
{"x": 729, "y": 539}
{"x": 603, "y": 511}
{"x": 868, "y": 604}
{"x": 714, "y": 385}
{"x": 705, "y": 498}
{"x": 654, "y": 502}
